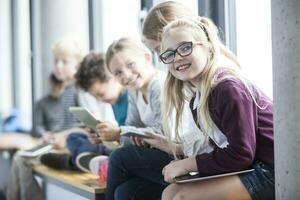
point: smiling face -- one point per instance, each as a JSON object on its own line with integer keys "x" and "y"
{"x": 186, "y": 68}
{"x": 130, "y": 69}
{"x": 107, "y": 92}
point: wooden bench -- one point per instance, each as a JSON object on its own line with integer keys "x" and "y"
{"x": 16, "y": 141}
{"x": 85, "y": 185}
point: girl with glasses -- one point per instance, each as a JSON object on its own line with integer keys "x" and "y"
{"x": 234, "y": 116}
{"x": 146, "y": 181}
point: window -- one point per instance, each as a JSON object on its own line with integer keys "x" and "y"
{"x": 254, "y": 47}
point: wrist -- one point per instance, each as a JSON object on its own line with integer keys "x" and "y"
{"x": 190, "y": 164}
{"x": 117, "y": 134}
{"x": 164, "y": 144}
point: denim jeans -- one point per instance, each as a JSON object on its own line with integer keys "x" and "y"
{"x": 260, "y": 182}
{"x": 136, "y": 173}
{"x": 78, "y": 143}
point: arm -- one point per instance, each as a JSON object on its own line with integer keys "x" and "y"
{"x": 133, "y": 116}
{"x": 110, "y": 132}
{"x": 155, "y": 101}
{"x": 39, "y": 119}
{"x": 179, "y": 167}
{"x": 161, "y": 142}
{"x": 59, "y": 138}
{"x": 133, "y": 119}
{"x": 235, "y": 113}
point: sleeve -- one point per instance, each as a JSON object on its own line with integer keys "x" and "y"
{"x": 133, "y": 117}
{"x": 133, "y": 120}
{"x": 39, "y": 119}
{"x": 235, "y": 114}
{"x": 155, "y": 103}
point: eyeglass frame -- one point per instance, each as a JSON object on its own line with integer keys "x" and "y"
{"x": 176, "y": 51}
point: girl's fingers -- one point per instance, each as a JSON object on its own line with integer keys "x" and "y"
{"x": 146, "y": 141}
{"x": 134, "y": 139}
{"x": 139, "y": 142}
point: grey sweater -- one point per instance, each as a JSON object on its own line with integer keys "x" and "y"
{"x": 151, "y": 118}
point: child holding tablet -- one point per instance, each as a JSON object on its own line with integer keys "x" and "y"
{"x": 130, "y": 167}
{"x": 226, "y": 107}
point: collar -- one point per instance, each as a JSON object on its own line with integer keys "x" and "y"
{"x": 196, "y": 100}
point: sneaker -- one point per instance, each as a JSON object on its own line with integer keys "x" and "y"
{"x": 83, "y": 160}
{"x": 99, "y": 166}
{"x": 57, "y": 161}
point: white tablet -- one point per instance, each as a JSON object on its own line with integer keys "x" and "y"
{"x": 85, "y": 116}
{"x": 36, "y": 151}
{"x": 129, "y": 131}
{"x": 194, "y": 176}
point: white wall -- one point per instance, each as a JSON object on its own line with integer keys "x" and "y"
{"x": 254, "y": 47}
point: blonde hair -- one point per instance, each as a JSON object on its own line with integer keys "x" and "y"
{"x": 125, "y": 44}
{"x": 160, "y": 15}
{"x": 68, "y": 46}
{"x": 174, "y": 95}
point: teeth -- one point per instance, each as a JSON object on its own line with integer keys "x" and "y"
{"x": 182, "y": 67}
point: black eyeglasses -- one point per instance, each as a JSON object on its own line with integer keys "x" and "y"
{"x": 183, "y": 50}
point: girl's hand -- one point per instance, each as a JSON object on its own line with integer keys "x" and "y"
{"x": 157, "y": 141}
{"x": 177, "y": 168}
{"x": 108, "y": 131}
{"x": 138, "y": 141}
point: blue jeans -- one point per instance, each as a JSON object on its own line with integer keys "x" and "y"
{"x": 78, "y": 143}
{"x": 136, "y": 173}
{"x": 260, "y": 182}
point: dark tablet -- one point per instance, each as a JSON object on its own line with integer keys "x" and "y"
{"x": 194, "y": 176}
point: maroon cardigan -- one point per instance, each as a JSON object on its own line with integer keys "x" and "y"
{"x": 249, "y": 129}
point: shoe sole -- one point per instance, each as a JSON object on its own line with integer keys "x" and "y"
{"x": 82, "y": 168}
